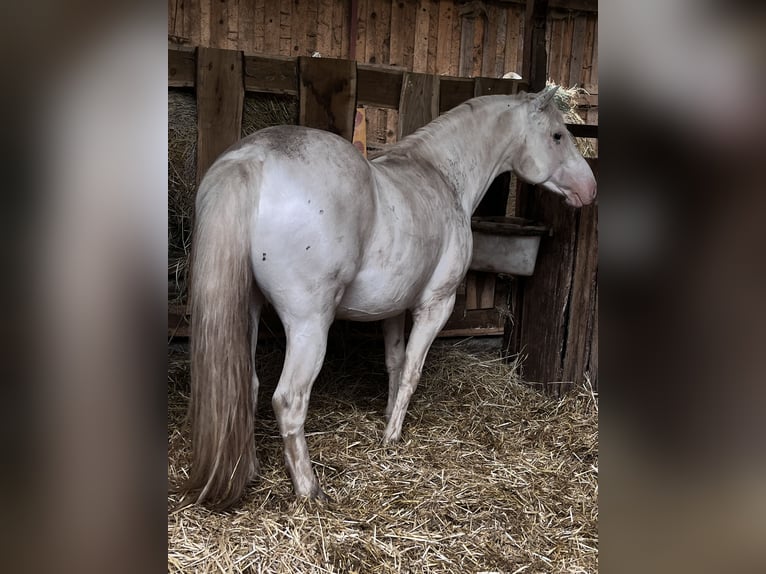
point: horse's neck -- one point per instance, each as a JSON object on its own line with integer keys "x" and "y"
{"x": 470, "y": 147}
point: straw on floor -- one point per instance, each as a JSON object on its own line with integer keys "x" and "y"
{"x": 491, "y": 475}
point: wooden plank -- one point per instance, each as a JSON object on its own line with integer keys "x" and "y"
{"x": 233, "y": 27}
{"x": 574, "y": 5}
{"x": 287, "y": 28}
{"x": 271, "y": 28}
{"x": 182, "y": 67}
{"x": 444, "y": 37}
{"x": 556, "y": 26}
{"x": 396, "y": 43}
{"x": 422, "y": 21}
{"x": 219, "y": 24}
{"x": 594, "y": 61}
{"x": 379, "y": 86}
{"x": 457, "y": 35}
{"x": 433, "y": 35}
{"x": 501, "y": 35}
{"x": 576, "y": 72}
{"x": 479, "y": 290}
{"x": 325, "y": 29}
{"x": 361, "y": 29}
{"x": 489, "y": 44}
{"x": 465, "y": 65}
{"x": 419, "y": 102}
{"x": 534, "y": 58}
{"x": 454, "y": 91}
{"x": 308, "y": 14}
{"x": 587, "y": 57}
{"x": 514, "y": 42}
{"x": 204, "y": 22}
{"x": 566, "y": 50}
{"x": 327, "y": 93}
{"x": 271, "y": 74}
{"x": 220, "y": 95}
{"x": 259, "y": 13}
{"x": 582, "y": 301}
{"x": 191, "y": 22}
{"x": 409, "y": 21}
{"x": 360, "y": 131}
{"x": 247, "y": 26}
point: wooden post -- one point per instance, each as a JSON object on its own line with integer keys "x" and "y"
{"x": 418, "y": 103}
{"x": 327, "y": 94}
{"x": 554, "y": 311}
{"x": 220, "y": 96}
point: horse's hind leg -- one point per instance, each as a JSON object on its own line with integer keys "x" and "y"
{"x": 256, "y": 306}
{"x": 306, "y": 345}
{"x": 393, "y": 337}
{"x": 427, "y": 322}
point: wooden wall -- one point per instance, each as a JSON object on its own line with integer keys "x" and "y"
{"x": 455, "y": 37}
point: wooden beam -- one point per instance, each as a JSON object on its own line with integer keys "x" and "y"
{"x": 220, "y": 95}
{"x": 182, "y": 67}
{"x": 327, "y": 93}
{"x": 379, "y": 86}
{"x": 419, "y": 102}
{"x": 535, "y": 59}
{"x": 271, "y": 74}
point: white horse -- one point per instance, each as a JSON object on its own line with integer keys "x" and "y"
{"x": 298, "y": 218}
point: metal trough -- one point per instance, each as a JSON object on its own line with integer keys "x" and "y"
{"x": 505, "y": 244}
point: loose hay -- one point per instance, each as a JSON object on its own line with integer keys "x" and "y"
{"x": 490, "y": 476}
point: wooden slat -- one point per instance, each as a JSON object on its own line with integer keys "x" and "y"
{"x": 489, "y": 44}
{"x": 270, "y": 74}
{"x": 361, "y": 30}
{"x": 479, "y": 29}
{"x": 582, "y": 300}
{"x": 514, "y": 41}
{"x": 219, "y": 25}
{"x": 422, "y": 20}
{"x": 396, "y": 45}
{"x": 576, "y": 72}
{"x": 204, "y": 22}
{"x": 182, "y": 67}
{"x": 465, "y": 65}
{"x": 308, "y": 13}
{"x": 259, "y": 14}
{"x": 220, "y": 95}
{"x": 232, "y": 28}
{"x": 339, "y": 43}
{"x": 419, "y": 102}
{"x": 191, "y": 21}
{"x": 327, "y": 93}
{"x": 479, "y": 290}
{"x": 501, "y": 35}
{"x": 457, "y": 35}
{"x": 289, "y": 28}
{"x": 587, "y": 58}
{"x": 247, "y": 26}
{"x": 444, "y": 31}
{"x": 379, "y": 86}
{"x": 566, "y": 49}
{"x": 433, "y": 35}
{"x": 454, "y": 91}
{"x": 324, "y": 28}
{"x": 271, "y": 25}
{"x": 556, "y": 26}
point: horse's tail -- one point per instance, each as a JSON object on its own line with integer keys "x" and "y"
{"x": 222, "y": 404}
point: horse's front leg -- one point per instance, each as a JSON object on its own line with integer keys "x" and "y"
{"x": 427, "y": 322}
{"x": 393, "y": 337}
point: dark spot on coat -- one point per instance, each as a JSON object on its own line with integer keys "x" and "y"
{"x": 321, "y": 211}
{"x": 264, "y": 257}
{"x": 308, "y": 247}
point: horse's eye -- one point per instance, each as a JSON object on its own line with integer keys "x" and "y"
{"x": 557, "y": 136}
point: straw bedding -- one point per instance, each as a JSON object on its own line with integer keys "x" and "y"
{"x": 491, "y": 475}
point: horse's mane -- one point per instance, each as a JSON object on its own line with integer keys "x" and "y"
{"x": 428, "y": 133}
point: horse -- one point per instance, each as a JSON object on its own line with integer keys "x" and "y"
{"x": 298, "y": 218}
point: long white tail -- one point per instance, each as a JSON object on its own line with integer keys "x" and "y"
{"x": 222, "y": 409}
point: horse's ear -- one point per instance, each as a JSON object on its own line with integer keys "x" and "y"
{"x": 544, "y": 98}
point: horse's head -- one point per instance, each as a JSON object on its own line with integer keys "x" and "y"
{"x": 548, "y": 156}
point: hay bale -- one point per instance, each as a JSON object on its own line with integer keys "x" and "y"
{"x": 566, "y": 100}
{"x": 490, "y": 476}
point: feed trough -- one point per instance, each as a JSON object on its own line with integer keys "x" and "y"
{"x": 505, "y": 244}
